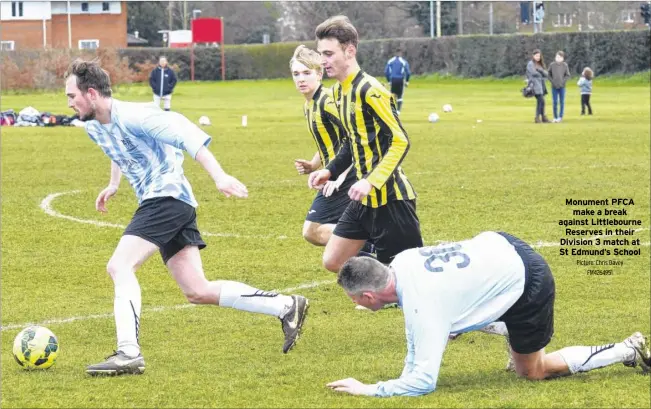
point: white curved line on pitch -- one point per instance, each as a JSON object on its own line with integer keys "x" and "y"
{"x": 56, "y": 321}
{"x": 46, "y": 206}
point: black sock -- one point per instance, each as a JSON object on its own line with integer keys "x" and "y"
{"x": 167, "y": 109}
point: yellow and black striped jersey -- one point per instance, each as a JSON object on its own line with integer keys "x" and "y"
{"x": 376, "y": 141}
{"x": 324, "y": 124}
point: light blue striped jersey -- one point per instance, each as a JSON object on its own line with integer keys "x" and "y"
{"x": 455, "y": 287}
{"x": 147, "y": 144}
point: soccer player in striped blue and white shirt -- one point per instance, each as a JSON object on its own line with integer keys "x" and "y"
{"x": 463, "y": 286}
{"x": 146, "y": 144}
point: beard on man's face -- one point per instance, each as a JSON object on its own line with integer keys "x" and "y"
{"x": 89, "y": 116}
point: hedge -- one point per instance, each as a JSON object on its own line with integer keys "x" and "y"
{"x": 466, "y": 56}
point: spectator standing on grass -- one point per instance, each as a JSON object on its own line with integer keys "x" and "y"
{"x": 585, "y": 83}
{"x": 162, "y": 81}
{"x": 559, "y": 73}
{"x": 397, "y": 74}
{"x": 536, "y": 74}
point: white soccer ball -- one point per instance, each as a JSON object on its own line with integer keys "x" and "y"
{"x": 447, "y": 108}
{"x": 204, "y": 121}
{"x": 433, "y": 117}
{"x": 35, "y": 347}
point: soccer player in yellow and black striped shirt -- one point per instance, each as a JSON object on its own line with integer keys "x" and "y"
{"x": 383, "y": 207}
{"x": 328, "y": 133}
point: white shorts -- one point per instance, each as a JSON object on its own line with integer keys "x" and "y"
{"x": 167, "y": 100}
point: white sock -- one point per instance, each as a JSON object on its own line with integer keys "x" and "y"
{"x": 127, "y": 307}
{"x": 496, "y": 328}
{"x": 584, "y": 359}
{"x": 246, "y": 298}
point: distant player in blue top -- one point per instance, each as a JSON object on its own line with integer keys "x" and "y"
{"x": 146, "y": 144}
{"x": 397, "y": 73}
{"x": 460, "y": 287}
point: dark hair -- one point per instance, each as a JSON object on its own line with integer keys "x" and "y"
{"x": 542, "y": 60}
{"x": 90, "y": 75}
{"x": 562, "y": 54}
{"x": 340, "y": 28}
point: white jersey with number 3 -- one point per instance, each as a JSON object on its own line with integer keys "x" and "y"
{"x": 454, "y": 287}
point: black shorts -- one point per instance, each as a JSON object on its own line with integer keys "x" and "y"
{"x": 328, "y": 210}
{"x": 397, "y": 86}
{"x": 530, "y": 321}
{"x": 167, "y": 222}
{"x": 393, "y": 227}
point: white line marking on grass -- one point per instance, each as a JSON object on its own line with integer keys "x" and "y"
{"x": 46, "y": 206}
{"x": 57, "y": 321}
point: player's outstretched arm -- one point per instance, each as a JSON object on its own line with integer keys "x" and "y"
{"x": 110, "y": 190}
{"x": 226, "y": 183}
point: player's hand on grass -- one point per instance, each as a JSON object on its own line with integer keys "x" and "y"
{"x": 103, "y": 197}
{"x": 318, "y": 179}
{"x": 360, "y": 190}
{"x": 352, "y": 386}
{"x": 230, "y": 186}
{"x": 303, "y": 166}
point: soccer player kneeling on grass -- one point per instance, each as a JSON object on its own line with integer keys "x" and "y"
{"x": 146, "y": 144}
{"x": 463, "y": 286}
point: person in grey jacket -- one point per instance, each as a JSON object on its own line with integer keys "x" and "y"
{"x": 559, "y": 73}
{"x": 585, "y": 83}
{"x": 536, "y": 74}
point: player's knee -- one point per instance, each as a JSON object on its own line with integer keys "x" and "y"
{"x": 116, "y": 266}
{"x": 313, "y": 235}
{"x": 532, "y": 374}
{"x": 331, "y": 263}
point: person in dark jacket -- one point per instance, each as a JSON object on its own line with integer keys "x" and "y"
{"x": 536, "y": 74}
{"x": 162, "y": 81}
{"x": 397, "y": 74}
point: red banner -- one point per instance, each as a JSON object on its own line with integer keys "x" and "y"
{"x": 207, "y": 30}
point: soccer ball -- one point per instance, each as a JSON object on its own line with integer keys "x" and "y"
{"x": 36, "y": 347}
{"x": 433, "y": 117}
{"x": 204, "y": 121}
{"x": 447, "y": 108}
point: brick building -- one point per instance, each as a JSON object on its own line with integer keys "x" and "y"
{"x": 44, "y": 24}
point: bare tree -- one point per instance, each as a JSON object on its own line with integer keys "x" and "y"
{"x": 372, "y": 19}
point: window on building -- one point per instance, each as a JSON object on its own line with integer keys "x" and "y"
{"x": 105, "y": 6}
{"x": 88, "y": 44}
{"x": 628, "y": 16}
{"x": 16, "y": 9}
{"x": 7, "y": 45}
{"x": 563, "y": 20}
{"x": 84, "y": 6}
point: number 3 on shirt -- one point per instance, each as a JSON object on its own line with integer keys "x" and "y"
{"x": 443, "y": 254}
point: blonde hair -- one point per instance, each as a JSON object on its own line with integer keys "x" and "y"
{"x": 587, "y": 73}
{"x": 340, "y": 28}
{"x": 309, "y": 58}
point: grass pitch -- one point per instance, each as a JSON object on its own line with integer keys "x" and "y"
{"x": 503, "y": 173}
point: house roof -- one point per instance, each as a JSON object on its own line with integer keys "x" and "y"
{"x": 133, "y": 40}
